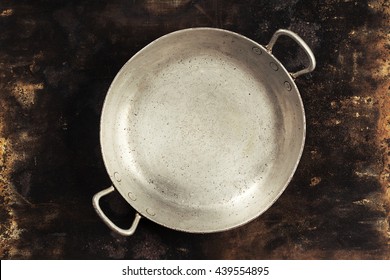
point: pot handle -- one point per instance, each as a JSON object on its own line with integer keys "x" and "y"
{"x": 301, "y": 43}
{"x": 95, "y": 202}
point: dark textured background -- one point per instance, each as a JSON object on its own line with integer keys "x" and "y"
{"x": 57, "y": 60}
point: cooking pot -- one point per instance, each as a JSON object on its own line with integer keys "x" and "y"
{"x": 202, "y": 130}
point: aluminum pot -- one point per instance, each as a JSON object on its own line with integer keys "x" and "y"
{"x": 202, "y": 130}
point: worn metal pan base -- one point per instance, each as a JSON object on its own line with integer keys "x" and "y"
{"x": 200, "y": 133}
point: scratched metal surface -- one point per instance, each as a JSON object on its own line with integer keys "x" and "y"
{"x": 57, "y": 60}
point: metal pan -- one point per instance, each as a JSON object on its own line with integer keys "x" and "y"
{"x": 202, "y": 130}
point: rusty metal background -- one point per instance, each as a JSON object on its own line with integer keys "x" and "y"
{"x": 57, "y": 59}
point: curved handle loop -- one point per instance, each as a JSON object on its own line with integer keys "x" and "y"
{"x": 301, "y": 43}
{"x": 95, "y": 202}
